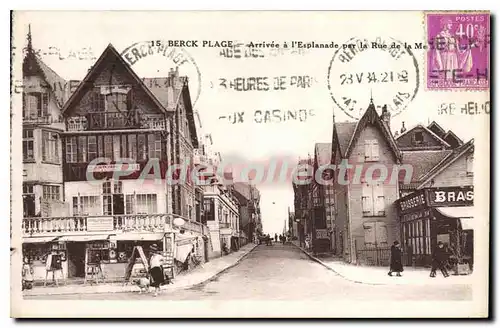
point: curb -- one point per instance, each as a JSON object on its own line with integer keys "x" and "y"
{"x": 315, "y": 259}
{"x": 214, "y": 276}
{"x": 172, "y": 287}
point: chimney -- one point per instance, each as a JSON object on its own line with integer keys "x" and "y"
{"x": 171, "y": 74}
{"x": 403, "y": 128}
{"x": 386, "y": 116}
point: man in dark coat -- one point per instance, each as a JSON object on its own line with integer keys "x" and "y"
{"x": 439, "y": 258}
{"x": 396, "y": 260}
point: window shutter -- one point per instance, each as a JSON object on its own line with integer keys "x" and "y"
{"x": 368, "y": 149}
{"x": 379, "y": 199}
{"x": 369, "y": 234}
{"x": 129, "y": 100}
{"x": 367, "y": 201}
{"x": 381, "y": 233}
{"x": 45, "y": 104}
{"x": 25, "y": 110}
{"x": 470, "y": 163}
{"x": 375, "y": 150}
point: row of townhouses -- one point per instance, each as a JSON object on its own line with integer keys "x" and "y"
{"x": 96, "y": 159}
{"x": 428, "y": 198}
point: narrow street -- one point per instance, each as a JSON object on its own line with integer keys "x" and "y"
{"x": 285, "y": 273}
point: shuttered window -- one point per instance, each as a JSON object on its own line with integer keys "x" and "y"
{"x": 371, "y": 151}
{"x": 373, "y": 199}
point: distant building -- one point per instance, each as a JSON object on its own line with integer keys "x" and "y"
{"x": 303, "y": 208}
{"x": 250, "y": 216}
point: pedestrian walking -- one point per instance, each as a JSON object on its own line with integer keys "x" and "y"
{"x": 439, "y": 258}
{"x": 27, "y": 274}
{"x": 396, "y": 260}
{"x": 275, "y": 237}
{"x": 156, "y": 269}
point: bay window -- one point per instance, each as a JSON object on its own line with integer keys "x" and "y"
{"x": 28, "y": 145}
{"x": 35, "y": 104}
{"x": 141, "y": 204}
{"x": 50, "y": 147}
{"x": 52, "y": 192}
{"x": 86, "y": 205}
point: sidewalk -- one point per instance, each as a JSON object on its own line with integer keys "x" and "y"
{"x": 378, "y": 275}
{"x": 199, "y": 275}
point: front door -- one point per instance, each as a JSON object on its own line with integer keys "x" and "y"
{"x": 76, "y": 258}
{"x": 118, "y": 204}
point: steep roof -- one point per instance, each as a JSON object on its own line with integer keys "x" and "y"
{"x": 437, "y": 129}
{"x": 453, "y": 138}
{"x": 189, "y": 113}
{"x": 423, "y": 161}
{"x": 344, "y": 133}
{"x": 431, "y": 133}
{"x": 450, "y": 159}
{"x": 157, "y": 86}
{"x": 95, "y": 70}
{"x": 323, "y": 153}
{"x": 34, "y": 65}
{"x": 371, "y": 117}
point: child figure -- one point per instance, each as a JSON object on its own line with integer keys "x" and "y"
{"x": 27, "y": 274}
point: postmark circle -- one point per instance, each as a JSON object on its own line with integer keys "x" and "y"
{"x": 384, "y": 70}
{"x": 136, "y": 54}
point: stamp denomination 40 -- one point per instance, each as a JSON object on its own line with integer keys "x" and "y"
{"x": 458, "y": 56}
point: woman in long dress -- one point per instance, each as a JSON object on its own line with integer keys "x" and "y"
{"x": 396, "y": 260}
{"x": 156, "y": 271}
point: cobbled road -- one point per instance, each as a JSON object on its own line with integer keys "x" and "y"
{"x": 283, "y": 272}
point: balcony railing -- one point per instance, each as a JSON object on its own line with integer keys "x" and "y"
{"x": 224, "y": 225}
{"x": 116, "y": 120}
{"x": 36, "y": 226}
{"x": 113, "y": 120}
{"x": 71, "y": 224}
{"x": 42, "y": 120}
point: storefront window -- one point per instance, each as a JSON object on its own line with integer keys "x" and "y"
{"x": 98, "y": 251}
{"x": 36, "y": 252}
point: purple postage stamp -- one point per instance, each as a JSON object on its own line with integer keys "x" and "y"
{"x": 458, "y": 55}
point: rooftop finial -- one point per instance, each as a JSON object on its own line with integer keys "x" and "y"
{"x": 30, "y": 46}
{"x": 371, "y": 96}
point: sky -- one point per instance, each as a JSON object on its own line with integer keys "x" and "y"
{"x": 303, "y": 76}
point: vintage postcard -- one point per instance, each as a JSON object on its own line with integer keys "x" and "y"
{"x": 250, "y": 164}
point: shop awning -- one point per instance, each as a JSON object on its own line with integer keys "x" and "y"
{"x": 459, "y": 212}
{"x": 83, "y": 238}
{"x": 138, "y": 236}
{"x": 33, "y": 240}
{"x": 467, "y": 224}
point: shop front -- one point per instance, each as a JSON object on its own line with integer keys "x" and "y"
{"x": 430, "y": 215}
{"x": 100, "y": 253}
{"x": 36, "y": 251}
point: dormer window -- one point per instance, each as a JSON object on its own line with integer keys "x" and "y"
{"x": 117, "y": 98}
{"x": 418, "y": 138}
